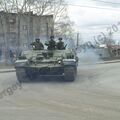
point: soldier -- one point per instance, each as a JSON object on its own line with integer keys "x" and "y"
{"x": 60, "y": 44}
{"x": 37, "y": 45}
{"x": 51, "y": 44}
{"x": 11, "y": 54}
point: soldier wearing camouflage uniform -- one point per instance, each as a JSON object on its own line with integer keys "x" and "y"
{"x": 60, "y": 44}
{"x": 51, "y": 44}
{"x": 37, "y": 45}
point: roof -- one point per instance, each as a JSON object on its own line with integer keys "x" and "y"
{"x": 27, "y": 13}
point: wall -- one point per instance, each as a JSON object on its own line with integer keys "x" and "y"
{"x": 17, "y": 31}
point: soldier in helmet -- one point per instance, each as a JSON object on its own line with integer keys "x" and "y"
{"x": 37, "y": 45}
{"x": 60, "y": 44}
{"x": 51, "y": 43}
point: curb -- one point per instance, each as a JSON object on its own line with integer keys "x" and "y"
{"x": 7, "y": 70}
{"x": 103, "y": 62}
{"x": 107, "y": 62}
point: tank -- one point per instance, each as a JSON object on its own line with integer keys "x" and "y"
{"x": 33, "y": 65}
{"x": 36, "y": 64}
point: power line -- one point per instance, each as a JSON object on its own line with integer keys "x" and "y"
{"x": 106, "y": 2}
{"x": 92, "y": 7}
{"x": 86, "y": 6}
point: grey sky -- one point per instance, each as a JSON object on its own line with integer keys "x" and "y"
{"x": 93, "y": 20}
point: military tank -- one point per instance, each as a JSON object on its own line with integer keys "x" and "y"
{"x": 37, "y": 64}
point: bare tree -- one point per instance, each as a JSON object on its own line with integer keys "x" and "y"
{"x": 62, "y": 23}
{"x": 64, "y": 27}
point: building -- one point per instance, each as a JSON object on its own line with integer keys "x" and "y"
{"x": 17, "y": 31}
{"x": 108, "y": 52}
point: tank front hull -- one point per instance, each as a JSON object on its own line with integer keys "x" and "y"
{"x": 67, "y": 73}
{"x": 33, "y": 73}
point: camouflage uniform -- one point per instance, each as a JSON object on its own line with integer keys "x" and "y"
{"x": 51, "y": 44}
{"x": 60, "y": 44}
{"x": 37, "y": 45}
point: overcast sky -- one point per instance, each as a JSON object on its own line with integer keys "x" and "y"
{"x": 90, "y": 21}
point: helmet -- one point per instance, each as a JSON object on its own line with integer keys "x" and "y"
{"x": 51, "y": 37}
{"x": 59, "y": 38}
{"x": 37, "y": 39}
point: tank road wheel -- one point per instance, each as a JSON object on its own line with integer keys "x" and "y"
{"x": 69, "y": 74}
{"x": 21, "y": 75}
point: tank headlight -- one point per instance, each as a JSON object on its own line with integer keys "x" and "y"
{"x": 33, "y": 46}
{"x": 69, "y": 61}
{"x": 59, "y": 61}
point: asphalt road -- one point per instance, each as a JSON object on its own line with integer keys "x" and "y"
{"x": 95, "y": 95}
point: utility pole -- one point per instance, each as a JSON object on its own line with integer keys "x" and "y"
{"x": 78, "y": 36}
{"x": 109, "y": 43}
{"x": 25, "y": 4}
{"x": 110, "y": 39}
{"x": 53, "y": 17}
{"x": 47, "y": 31}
